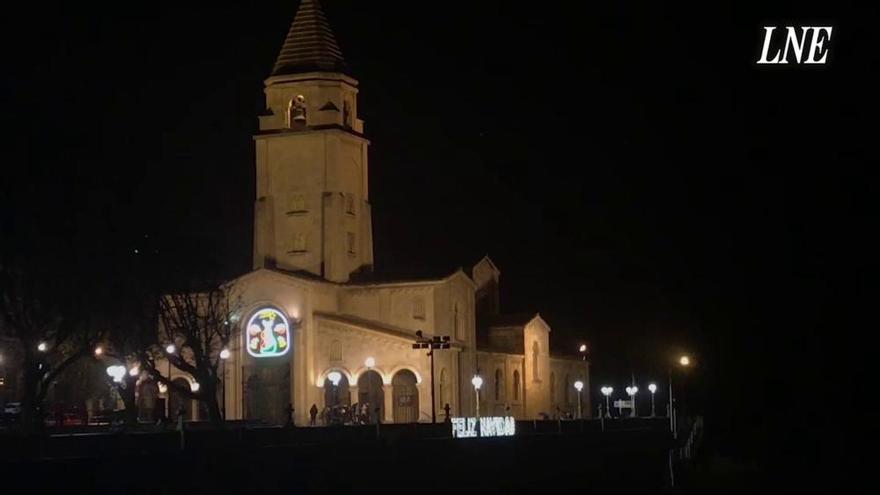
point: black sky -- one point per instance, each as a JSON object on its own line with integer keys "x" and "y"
{"x": 638, "y": 180}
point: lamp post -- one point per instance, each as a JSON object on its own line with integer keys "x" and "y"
{"x": 224, "y": 355}
{"x": 435, "y": 342}
{"x": 652, "y": 388}
{"x": 684, "y": 361}
{"x": 607, "y": 391}
{"x": 579, "y": 386}
{"x": 169, "y": 350}
{"x": 477, "y": 382}
{"x": 631, "y": 391}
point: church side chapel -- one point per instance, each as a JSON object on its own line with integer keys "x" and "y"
{"x": 319, "y": 328}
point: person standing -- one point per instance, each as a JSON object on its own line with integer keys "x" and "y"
{"x": 313, "y": 414}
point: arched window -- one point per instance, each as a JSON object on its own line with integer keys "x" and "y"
{"x": 552, "y": 388}
{"x": 498, "y": 384}
{"x": 535, "y": 352}
{"x": 515, "y": 384}
{"x": 456, "y": 322}
{"x": 567, "y": 392}
{"x": 444, "y": 389}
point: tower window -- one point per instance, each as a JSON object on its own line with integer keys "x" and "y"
{"x": 351, "y": 243}
{"x": 516, "y": 384}
{"x": 349, "y": 204}
{"x": 535, "y": 353}
{"x": 298, "y": 204}
{"x": 298, "y": 243}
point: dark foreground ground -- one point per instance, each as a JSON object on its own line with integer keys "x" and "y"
{"x": 503, "y": 465}
{"x": 353, "y": 460}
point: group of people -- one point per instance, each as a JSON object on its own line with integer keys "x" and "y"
{"x": 341, "y": 414}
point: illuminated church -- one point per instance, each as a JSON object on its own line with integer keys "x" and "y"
{"x": 319, "y": 326}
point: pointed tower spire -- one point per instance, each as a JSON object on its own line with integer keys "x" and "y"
{"x": 310, "y": 45}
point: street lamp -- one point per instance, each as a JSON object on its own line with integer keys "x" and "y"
{"x": 583, "y": 350}
{"x": 435, "y": 342}
{"x": 684, "y": 361}
{"x": 631, "y": 391}
{"x": 116, "y": 372}
{"x": 42, "y": 347}
{"x": 194, "y": 386}
{"x": 607, "y": 391}
{"x": 169, "y": 350}
{"x": 579, "y": 386}
{"x": 224, "y": 355}
{"x": 477, "y": 382}
{"x": 98, "y": 351}
{"x": 135, "y": 370}
{"x": 334, "y": 377}
{"x": 652, "y": 388}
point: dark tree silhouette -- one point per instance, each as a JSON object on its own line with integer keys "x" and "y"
{"x": 200, "y": 324}
{"x": 43, "y": 314}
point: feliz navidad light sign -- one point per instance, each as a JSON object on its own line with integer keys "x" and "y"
{"x": 489, "y": 427}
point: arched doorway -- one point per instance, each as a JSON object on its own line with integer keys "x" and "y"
{"x": 176, "y": 400}
{"x": 370, "y": 392}
{"x": 267, "y": 391}
{"x": 337, "y": 395}
{"x": 406, "y": 397}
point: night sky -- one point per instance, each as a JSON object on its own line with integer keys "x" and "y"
{"x": 637, "y": 179}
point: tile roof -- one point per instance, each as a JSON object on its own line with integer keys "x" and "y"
{"x": 310, "y": 44}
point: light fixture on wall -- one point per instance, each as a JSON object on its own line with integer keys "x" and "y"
{"x": 370, "y": 362}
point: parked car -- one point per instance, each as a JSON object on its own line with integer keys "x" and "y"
{"x": 11, "y": 412}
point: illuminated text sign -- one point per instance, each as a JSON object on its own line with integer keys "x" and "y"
{"x": 489, "y": 427}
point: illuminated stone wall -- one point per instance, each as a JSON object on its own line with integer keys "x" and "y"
{"x": 312, "y": 208}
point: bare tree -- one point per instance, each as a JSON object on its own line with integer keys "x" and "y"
{"x": 200, "y": 324}
{"x": 51, "y": 323}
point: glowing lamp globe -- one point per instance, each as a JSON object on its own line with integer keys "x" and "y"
{"x": 334, "y": 377}
{"x": 652, "y": 387}
{"x": 224, "y": 354}
{"x": 170, "y": 349}
{"x": 684, "y": 361}
{"x": 579, "y": 385}
{"x": 194, "y": 386}
{"x": 42, "y": 347}
{"x": 370, "y": 362}
{"x": 477, "y": 382}
{"x": 583, "y": 348}
{"x": 116, "y": 372}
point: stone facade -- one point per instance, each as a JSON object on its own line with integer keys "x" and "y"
{"x": 312, "y": 251}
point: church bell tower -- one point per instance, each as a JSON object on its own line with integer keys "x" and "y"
{"x": 312, "y": 211}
